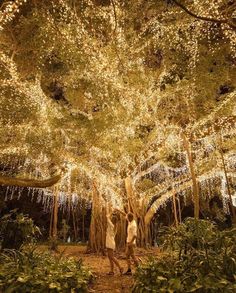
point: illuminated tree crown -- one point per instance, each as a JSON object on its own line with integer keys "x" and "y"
{"x": 100, "y": 90}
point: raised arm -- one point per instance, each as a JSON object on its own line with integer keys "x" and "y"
{"x": 108, "y": 210}
{"x": 121, "y": 212}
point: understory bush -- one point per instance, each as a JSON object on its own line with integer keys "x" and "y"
{"x": 196, "y": 258}
{"x": 32, "y": 271}
{"x": 16, "y": 230}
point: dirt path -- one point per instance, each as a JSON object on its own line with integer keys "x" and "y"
{"x": 99, "y": 266}
{"x": 103, "y": 283}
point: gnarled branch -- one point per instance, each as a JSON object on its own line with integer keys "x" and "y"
{"x": 22, "y": 182}
{"x": 211, "y": 19}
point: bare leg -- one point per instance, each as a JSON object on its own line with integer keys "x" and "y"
{"x": 130, "y": 253}
{"x": 115, "y": 261}
{"x": 128, "y": 257}
{"x": 135, "y": 259}
{"x": 110, "y": 256}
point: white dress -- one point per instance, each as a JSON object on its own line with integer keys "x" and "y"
{"x": 110, "y": 235}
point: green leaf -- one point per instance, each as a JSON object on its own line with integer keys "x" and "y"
{"x": 52, "y": 285}
{"x": 22, "y": 279}
{"x": 161, "y": 278}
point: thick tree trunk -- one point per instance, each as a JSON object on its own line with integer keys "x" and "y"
{"x": 179, "y": 208}
{"x": 97, "y": 235}
{"x": 83, "y": 220}
{"x": 55, "y": 214}
{"x": 129, "y": 192}
{"x": 121, "y": 233}
{"x": 139, "y": 210}
{"x": 228, "y": 186}
{"x": 193, "y": 176}
{"x": 175, "y": 209}
{"x": 74, "y": 224}
{"x": 92, "y": 245}
{"x": 51, "y": 220}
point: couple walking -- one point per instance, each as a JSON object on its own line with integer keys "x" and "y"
{"x": 130, "y": 241}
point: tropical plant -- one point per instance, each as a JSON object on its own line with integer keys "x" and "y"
{"x": 198, "y": 258}
{"x": 16, "y": 229}
{"x": 33, "y": 271}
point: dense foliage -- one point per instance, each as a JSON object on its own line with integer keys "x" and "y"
{"x": 32, "y": 271}
{"x": 121, "y": 78}
{"x": 16, "y": 229}
{"x": 198, "y": 258}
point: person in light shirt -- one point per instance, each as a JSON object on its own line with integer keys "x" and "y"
{"x": 110, "y": 242}
{"x": 130, "y": 241}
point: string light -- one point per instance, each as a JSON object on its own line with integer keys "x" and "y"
{"x": 112, "y": 102}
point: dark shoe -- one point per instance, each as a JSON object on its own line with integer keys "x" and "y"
{"x": 128, "y": 273}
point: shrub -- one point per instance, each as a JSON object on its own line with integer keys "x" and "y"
{"x": 32, "y": 271}
{"x": 16, "y": 229}
{"x": 198, "y": 258}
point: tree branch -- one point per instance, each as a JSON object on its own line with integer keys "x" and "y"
{"x": 115, "y": 15}
{"x": 181, "y": 186}
{"x": 114, "y": 33}
{"x": 211, "y": 19}
{"x": 22, "y": 182}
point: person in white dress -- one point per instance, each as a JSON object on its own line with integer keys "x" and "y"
{"x": 110, "y": 242}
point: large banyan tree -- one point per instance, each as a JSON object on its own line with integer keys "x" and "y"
{"x": 127, "y": 102}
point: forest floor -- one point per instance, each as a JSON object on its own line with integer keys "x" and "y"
{"x": 99, "y": 266}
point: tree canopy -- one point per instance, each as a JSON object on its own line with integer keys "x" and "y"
{"x": 105, "y": 89}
